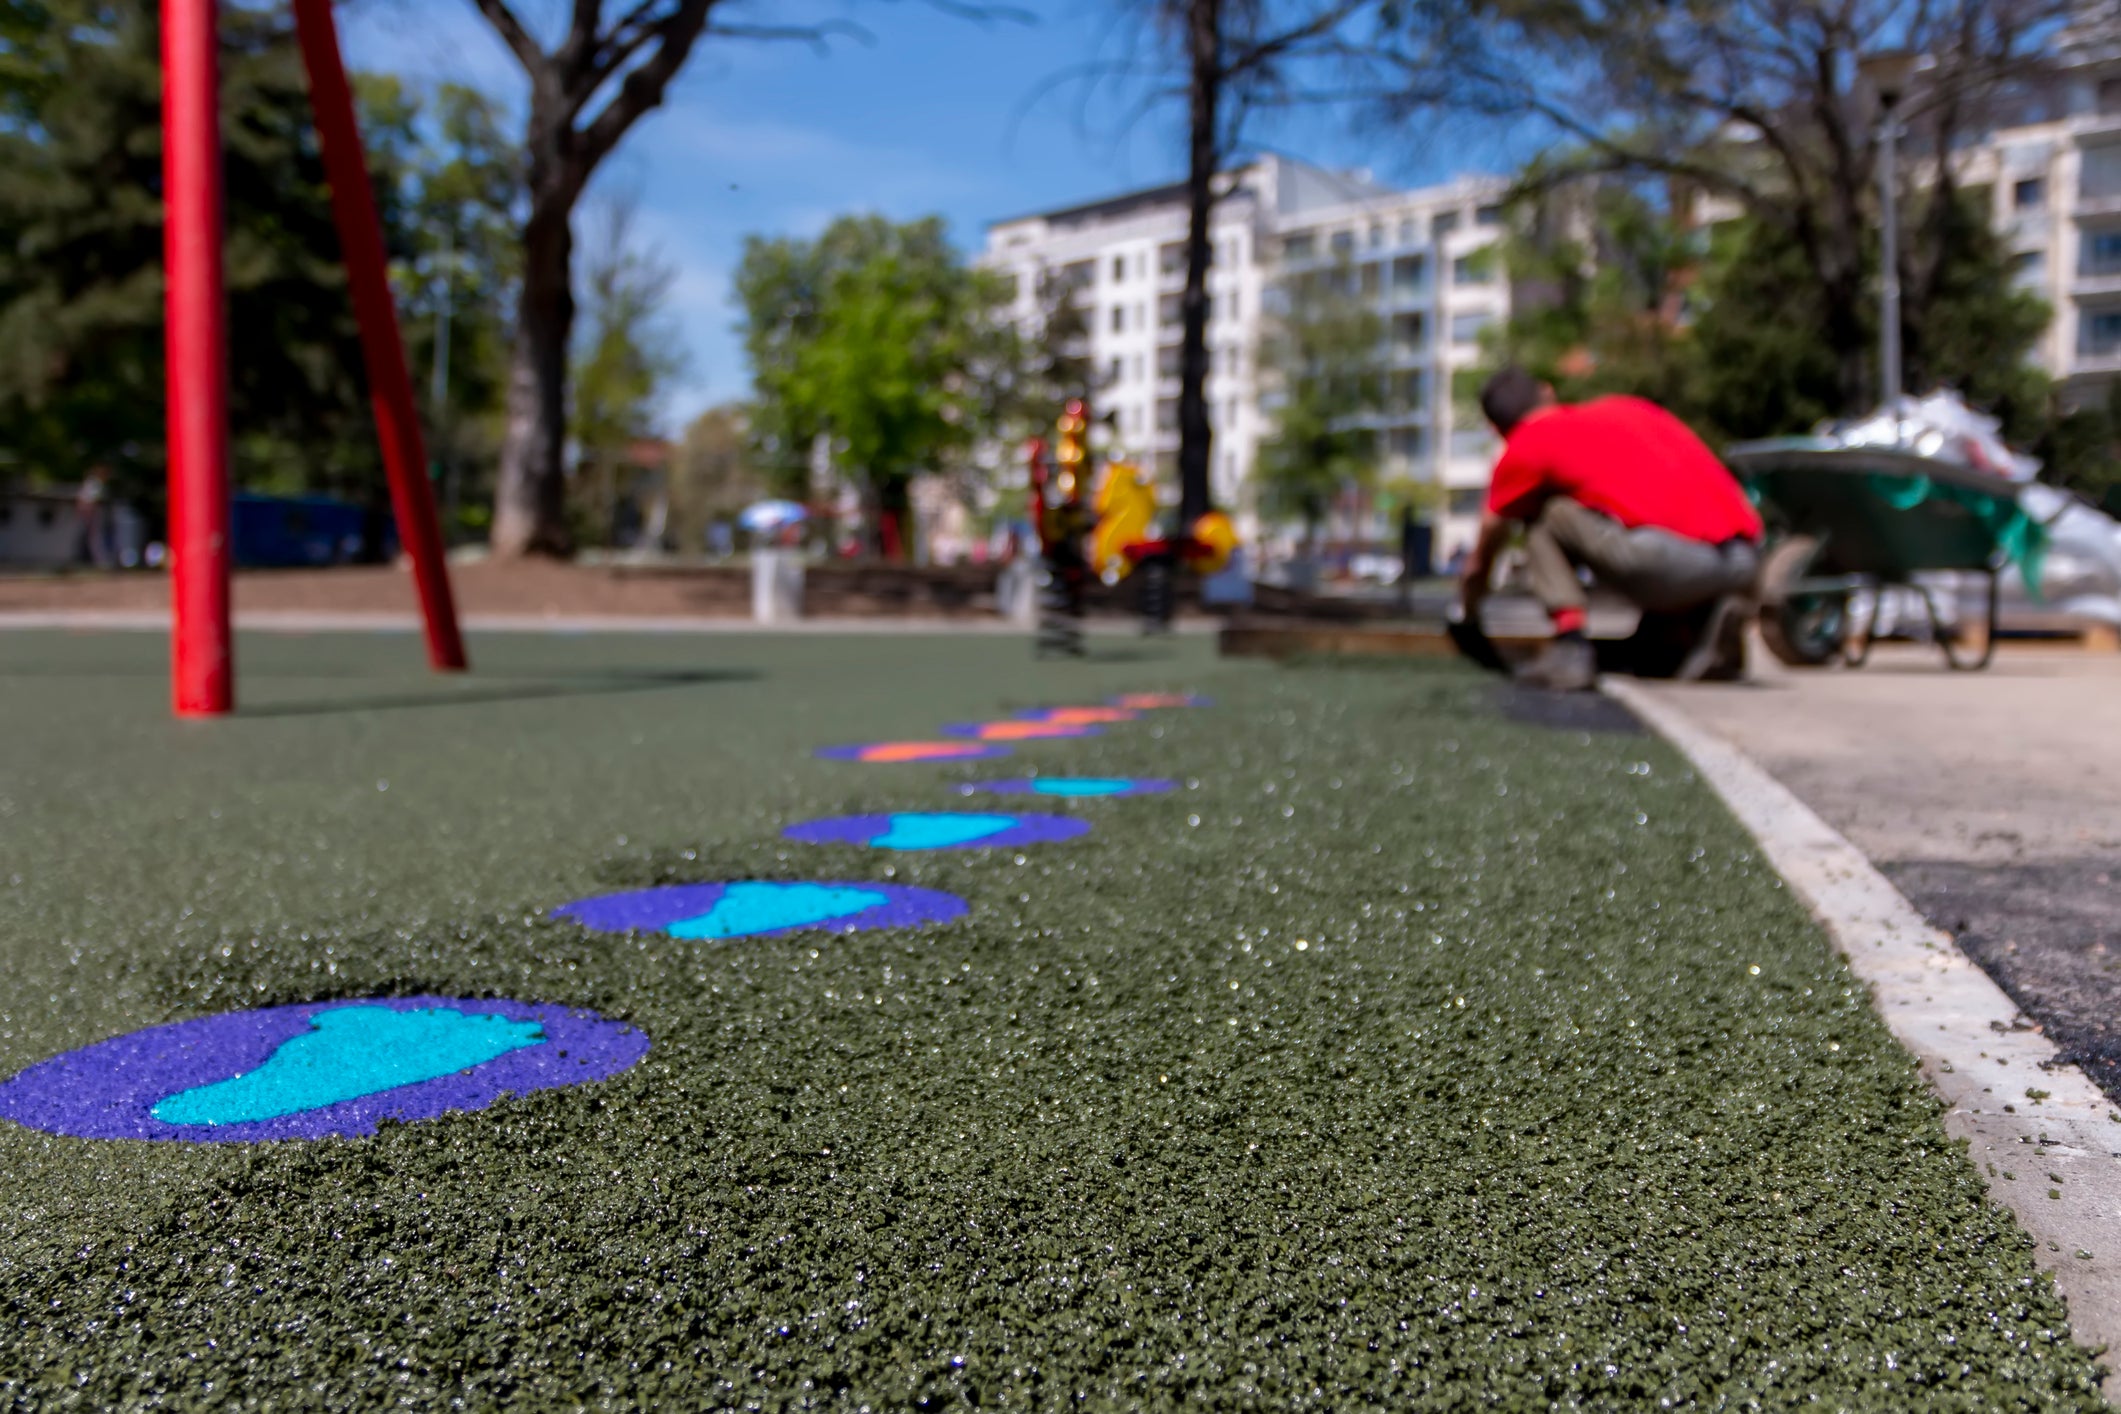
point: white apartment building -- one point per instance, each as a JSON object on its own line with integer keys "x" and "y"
{"x": 1416, "y": 253}
{"x": 2055, "y": 188}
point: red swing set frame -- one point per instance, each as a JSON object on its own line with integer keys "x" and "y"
{"x": 203, "y": 664}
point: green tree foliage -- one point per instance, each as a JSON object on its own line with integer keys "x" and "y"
{"x": 81, "y": 277}
{"x": 449, "y": 185}
{"x": 1028, "y": 374}
{"x": 1729, "y": 328}
{"x": 712, "y": 476}
{"x": 627, "y": 355}
{"x": 1763, "y": 105}
{"x": 877, "y": 335}
{"x": 81, "y": 359}
{"x": 1324, "y": 355}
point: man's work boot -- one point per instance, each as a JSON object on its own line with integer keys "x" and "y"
{"x": 1568, "y": 664}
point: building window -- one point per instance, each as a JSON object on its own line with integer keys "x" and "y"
{"x": 1236, "y": 304}
{"x": 1407, "y": 336}
{"x": 2029, "y": 194}
{"x": 2029, "y": 267}
{"x": 1168, "y": 313}
{"x": 1167, "y": 415}
{"x": 1488, "y": 216}
{"x": 1467, "y": 328}
{"x": 1119, "y": 268}
{"x": 1117, "y": 371}
{"x": 2102, "y": 253}
{"x": 1445, "y": 223}
{"x": 1408, "y": 273}
{"x": 1119, "y": 318}
{"x": 2100, "y": 178}
{"x": 1377, "y": 236}
{"x": 1373, "y": 279}
{"x": 1167, "y": 361}
{"x": 1301, "y": 247}
{"x": 2109, "y": 96}
{"x": 1171, "y": 259}
{"x": 1406, "y": 444}
{"x": 1343, "y": 242}
{"x": 1409, "y": 391}
{"x": 1406, "y": 231}
{"x": 1476, "y": 443}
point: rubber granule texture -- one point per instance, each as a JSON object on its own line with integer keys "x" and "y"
{"x": 1405, "y": 1057}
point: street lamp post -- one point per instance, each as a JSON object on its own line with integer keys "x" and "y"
{"x": 1889, "y": 258}
{"x": 1888, "y": 74}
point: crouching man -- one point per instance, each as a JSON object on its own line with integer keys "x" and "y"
{"x": 1622, "y": 488}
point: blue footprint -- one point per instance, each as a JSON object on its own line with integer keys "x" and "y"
{"x": 748, "y": 908}
{"x": 350, "y": 1052}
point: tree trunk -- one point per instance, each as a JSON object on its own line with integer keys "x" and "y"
{"x": 1204, "y": 20}
{"x": 530, "y": 499}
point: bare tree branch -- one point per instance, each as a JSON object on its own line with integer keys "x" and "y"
{"x": 818, "y": 36}
{"x": 518, "y": 39}
{"x": 644, "y": 86}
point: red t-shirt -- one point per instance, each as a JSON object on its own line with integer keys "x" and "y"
{"x": 1628, "y": 459}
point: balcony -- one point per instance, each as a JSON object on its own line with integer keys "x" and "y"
{"x": 2029, "y": 228}
{"x": 2095, "y": 125}
{"x": 2099, "y": 354}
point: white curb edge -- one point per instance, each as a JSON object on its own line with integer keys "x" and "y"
{"x": 1976, "y": 1049}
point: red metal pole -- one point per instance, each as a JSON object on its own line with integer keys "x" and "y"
{"x": 202, "y": 668}
{"x": 383, "y": 351}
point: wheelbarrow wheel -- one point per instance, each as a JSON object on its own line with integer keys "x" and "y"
{"x": 1804, "y": 628}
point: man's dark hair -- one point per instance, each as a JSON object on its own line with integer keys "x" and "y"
{"x": 1510, "y": 397}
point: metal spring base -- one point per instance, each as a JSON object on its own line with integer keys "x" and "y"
{"x": 1060, "y": 618}
{"x": 1159, "y": 597}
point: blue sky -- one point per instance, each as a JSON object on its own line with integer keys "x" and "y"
{"x": 936, "y": 115}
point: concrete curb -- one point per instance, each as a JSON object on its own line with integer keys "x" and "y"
{"x": 2055, "y": 1161}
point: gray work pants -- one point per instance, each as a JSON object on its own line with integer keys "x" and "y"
{"x": 1656, "y": 569}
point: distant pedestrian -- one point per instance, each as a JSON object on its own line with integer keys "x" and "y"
{"x": 92, "y": 513}
{"x": 1622, "y": 488}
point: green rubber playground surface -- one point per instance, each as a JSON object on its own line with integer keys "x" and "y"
{"x": 1407, "y": 1056}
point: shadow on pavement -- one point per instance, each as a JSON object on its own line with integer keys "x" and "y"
{"x": 533, "y": 687}
{"x": 1566, "y": 711}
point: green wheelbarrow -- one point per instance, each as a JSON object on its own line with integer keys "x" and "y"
{"x": 1853, "y": 522}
